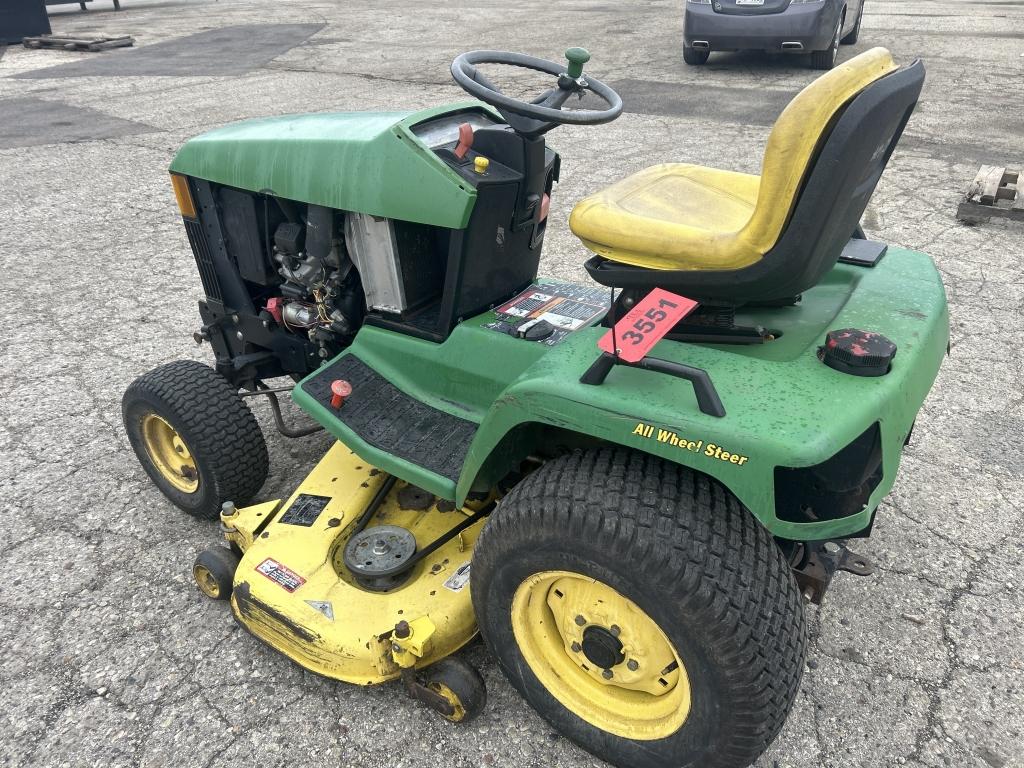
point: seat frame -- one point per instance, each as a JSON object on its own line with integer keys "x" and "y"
{"x": 836, "y": 190}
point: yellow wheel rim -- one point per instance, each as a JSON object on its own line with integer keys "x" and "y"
{"x": 563, "y": 621}
{"x": 206, "y": 581}
{"x": 458, "y": 710}
{"x": 171, "y": 457}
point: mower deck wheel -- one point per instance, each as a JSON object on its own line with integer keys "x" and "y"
{"x": 461, "y": 685}
{"x": 195, "y": 437}
{"x": 214, "y": 572}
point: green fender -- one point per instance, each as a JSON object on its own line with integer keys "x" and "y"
{"x": 784, "y": 408}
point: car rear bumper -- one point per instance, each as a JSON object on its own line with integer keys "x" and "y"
{"x": 805, "y": 27}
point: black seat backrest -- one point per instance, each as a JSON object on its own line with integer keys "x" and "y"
{"x": 841, "y": 181}
{"x": 834, "y": 194}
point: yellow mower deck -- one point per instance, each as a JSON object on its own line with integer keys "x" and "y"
{"x": 293, "y": 591}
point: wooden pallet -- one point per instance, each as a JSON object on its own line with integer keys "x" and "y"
{"x": 993, "y": 192}
{"x": 80, "y": 3}
{"x": 77, "y": 44}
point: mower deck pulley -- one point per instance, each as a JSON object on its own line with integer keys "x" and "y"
{"x": 378, "y": 557}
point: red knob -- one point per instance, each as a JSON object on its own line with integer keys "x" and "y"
{"x": 465, "y": 140}
{"x": 340, "y": 389}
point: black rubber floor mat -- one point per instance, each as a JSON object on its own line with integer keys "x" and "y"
{"x": 392, "y": 421}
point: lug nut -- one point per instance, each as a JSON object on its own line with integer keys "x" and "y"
{"x": 633, "y": 665}
{"x": 607, "y": 674}
{"x": 614, "y": 629}
{"x": 576, "y": 647}
{"x": 580, "y": 621}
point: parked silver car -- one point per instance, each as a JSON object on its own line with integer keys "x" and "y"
{"x": 816, "y": 27}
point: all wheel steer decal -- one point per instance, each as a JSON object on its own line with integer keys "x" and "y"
{"x": 710, "y": 450}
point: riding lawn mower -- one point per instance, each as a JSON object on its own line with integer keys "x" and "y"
{"x": 630, "y": 488}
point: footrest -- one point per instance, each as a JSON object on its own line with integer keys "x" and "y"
{"x": 392, "y": 421}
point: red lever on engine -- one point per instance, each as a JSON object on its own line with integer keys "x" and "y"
{"x": 465, "y": 140}
{"x": 340, "y": 389}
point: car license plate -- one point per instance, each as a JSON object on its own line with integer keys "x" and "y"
{"x": 749, "y": 2}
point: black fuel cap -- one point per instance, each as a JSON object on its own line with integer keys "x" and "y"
{"x": 857, "y": 352}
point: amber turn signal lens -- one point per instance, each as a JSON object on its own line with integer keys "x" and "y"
{"x": 184, "y": 197}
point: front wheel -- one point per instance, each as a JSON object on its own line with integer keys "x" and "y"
{"x": 694, "y": 56}
{"x": 195, "y": 437}
{"x": 641, "y": 610}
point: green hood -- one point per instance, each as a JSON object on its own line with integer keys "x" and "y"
{"x": 368, "y": 162}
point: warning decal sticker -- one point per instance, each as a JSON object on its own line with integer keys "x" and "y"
{"x": 305, "y": 510}
{"x": 565, "y": 307}
{"x": 322, "y": 606}
{"x": 281, "y": 574}
{"x": 458, "y": 580}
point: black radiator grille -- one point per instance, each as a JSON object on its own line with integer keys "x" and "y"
{"x": 204, "y": 260}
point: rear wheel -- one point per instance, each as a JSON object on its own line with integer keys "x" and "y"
{"x": 641, "y": 610}
{"x": 695, "y": 56}
{"x": 854, "y": 35}
{"x": 827, "y": 59}
{"x": 195, "y": 437}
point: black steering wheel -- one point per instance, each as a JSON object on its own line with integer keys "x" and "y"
{"x": 533, "y": 118}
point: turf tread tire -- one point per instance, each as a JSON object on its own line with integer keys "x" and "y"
{"x": 689, "y": 543}
{"x": 221, "y": 432}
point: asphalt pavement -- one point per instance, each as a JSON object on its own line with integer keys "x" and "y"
{"x": 109, "y": 656}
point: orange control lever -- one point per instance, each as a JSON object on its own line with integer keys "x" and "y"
{"x": 340, "y": 389}
{"x": 465, "y": 140}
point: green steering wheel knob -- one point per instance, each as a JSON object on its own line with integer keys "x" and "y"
{"x": 577, "y": 58}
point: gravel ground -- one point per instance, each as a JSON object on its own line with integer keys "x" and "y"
{"x": 108, "y": 654}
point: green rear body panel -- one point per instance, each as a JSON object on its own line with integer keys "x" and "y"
{"x": 369, "y": 162}
{"x": 784, "y": 407}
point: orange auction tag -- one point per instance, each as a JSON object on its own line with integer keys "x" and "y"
{"x": 646, "y": 323}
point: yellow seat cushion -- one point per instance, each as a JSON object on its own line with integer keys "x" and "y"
{"x": 678, "y": 216}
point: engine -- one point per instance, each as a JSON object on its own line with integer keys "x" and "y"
{"x": 320, "y": 294}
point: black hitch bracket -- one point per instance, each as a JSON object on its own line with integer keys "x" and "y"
{"x": 818, "y": 562}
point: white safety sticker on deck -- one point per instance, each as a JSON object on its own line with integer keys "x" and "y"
{"x": 280, "y": 574}
{"x": 458, "y": 580}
